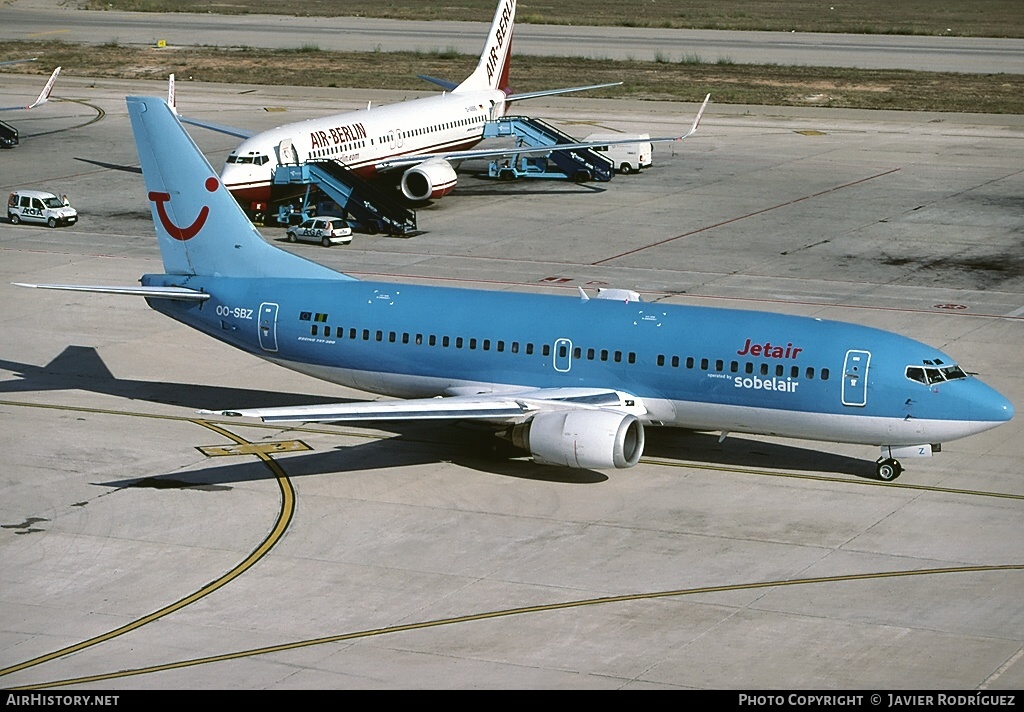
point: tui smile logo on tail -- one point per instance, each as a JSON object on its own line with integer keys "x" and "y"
{"x": 182, "y": 233}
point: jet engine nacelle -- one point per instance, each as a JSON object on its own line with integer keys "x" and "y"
{"x": 428, "y": 180}
{"x": 586, "y": 439}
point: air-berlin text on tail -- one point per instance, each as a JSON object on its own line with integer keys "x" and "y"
{"x": 337, "y": 135}
{"x": 501, "y": 35}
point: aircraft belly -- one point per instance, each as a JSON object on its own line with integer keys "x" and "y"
{"x": 389, "y": 384}
{"x": 834, "y": 427}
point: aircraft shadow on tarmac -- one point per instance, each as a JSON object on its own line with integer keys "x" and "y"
{"x": 112, "y": 166}
{"x": 423, "y": 445}
{"x": 81, "y": 368}
{"x": 490, "y": 187}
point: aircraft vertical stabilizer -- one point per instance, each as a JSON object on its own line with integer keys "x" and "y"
{"x": 492, "y": 71}
{"x": 200, "y": 228}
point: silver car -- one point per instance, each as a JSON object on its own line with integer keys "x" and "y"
{"x": 325, "y": 230}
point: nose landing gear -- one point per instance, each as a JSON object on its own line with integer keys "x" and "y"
{"x": 888, "y": 469}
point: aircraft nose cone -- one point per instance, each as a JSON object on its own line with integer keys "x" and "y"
{"x": 1005, "y": 409}
{"x": 992, "y": 406}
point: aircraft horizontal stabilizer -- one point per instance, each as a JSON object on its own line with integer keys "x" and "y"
{"x": 18, "y": 61}
{"x": 149, "y": 292}
{"x": 553, "y": 92}
{"x": 443, "y": 83}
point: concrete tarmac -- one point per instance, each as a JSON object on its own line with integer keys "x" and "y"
{"x": 147, "y": 546}
{"x": 55, "y": 20}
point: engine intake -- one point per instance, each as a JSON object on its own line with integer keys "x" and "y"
{"x": 585, "y": 439}
{"x": 429, "y": 180}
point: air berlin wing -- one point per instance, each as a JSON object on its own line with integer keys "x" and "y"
{"x": 43, "y": 97}
{"x": 219, "y": 128}
{"x": 172, "y": 101}
{"x": 406, "y": 161}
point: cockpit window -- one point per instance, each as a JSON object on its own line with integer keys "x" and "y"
{"x": 951, "y": 373}
{"x": 257, "y": 158}
{"x": 934, "y": 372}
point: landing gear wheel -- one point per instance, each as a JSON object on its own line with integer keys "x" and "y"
{"x": 888, "y": 470}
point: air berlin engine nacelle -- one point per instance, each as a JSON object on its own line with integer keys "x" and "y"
{"x": 429, "y": 180}
{"x": 586, "y": 439}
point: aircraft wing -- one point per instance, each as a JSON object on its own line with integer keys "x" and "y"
{"x": 44, "y": 95}
{"x": 406, "y": 161}
{"x": 149, "y": 292}
{"x": 515, "y": 407}
{"x": 211, "y": 125}
{"x": 450, "y": 86}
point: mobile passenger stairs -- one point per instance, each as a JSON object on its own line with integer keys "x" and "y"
{"x": 580, "y": 165}
{"x": 8, "y": 135}
{"x": 359, "y": 199}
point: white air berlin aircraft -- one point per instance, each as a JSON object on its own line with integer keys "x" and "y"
{"x": 420, "y": 137}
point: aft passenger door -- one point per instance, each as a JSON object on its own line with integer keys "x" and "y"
{"x": 268, "y": 326}
{"x": 855, "y": 378}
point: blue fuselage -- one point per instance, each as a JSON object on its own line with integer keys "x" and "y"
{"x": 696, "y": 367}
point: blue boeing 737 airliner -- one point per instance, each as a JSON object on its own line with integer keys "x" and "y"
{"x": 573, "y": 380}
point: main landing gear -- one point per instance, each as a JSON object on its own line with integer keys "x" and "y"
{"x": 888, "y": 469}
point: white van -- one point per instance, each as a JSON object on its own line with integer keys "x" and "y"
{"x": 627, "y": 157}
{"x": 40, "y": 207}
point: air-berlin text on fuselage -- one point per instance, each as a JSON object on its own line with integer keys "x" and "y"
{"x": 769, "y": 350}
{"x": 500, "y": 36}
{"x": 340, "y": 134}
